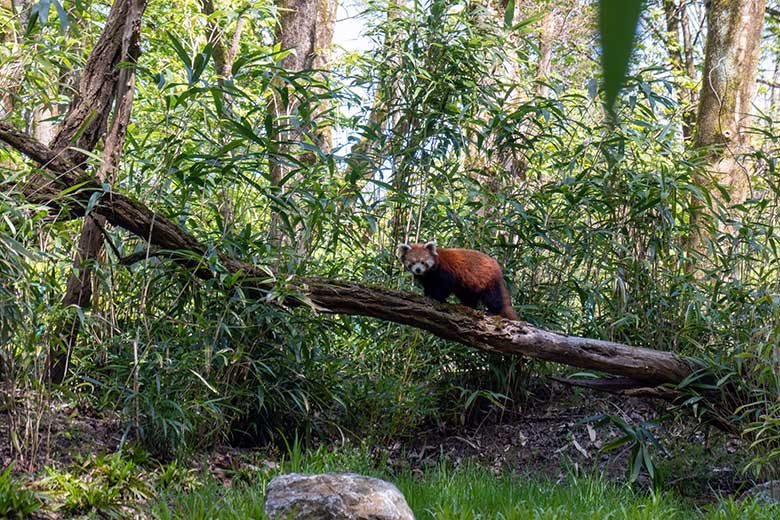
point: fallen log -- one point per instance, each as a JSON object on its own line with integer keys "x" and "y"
{"x": 495, "y": 334}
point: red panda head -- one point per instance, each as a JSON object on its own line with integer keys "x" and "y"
{"x": 418, "y": 259}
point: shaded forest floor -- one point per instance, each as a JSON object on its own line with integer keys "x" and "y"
{"x": 548, "y": 436}
{"x": 551, "y": 436}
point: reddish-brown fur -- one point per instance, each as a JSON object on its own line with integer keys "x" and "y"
{"x": 471, "y": 275}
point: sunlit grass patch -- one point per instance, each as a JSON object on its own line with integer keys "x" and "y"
{"x": 474, "y": 493}
{"x": 468, "y": 492}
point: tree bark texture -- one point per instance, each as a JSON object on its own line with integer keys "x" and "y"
{"x": 306, "y": 26}
{"x": 728, "y": 86}
{"x": 725, "y": 102}
{"x": 102, "y": 84}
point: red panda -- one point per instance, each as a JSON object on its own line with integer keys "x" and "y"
{"x": 472, "y": 276}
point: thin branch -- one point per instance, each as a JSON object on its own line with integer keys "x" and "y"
{"x": 40, "y": 153}
{"x": 139, "y": 256}
{"x": 773, "y": 84}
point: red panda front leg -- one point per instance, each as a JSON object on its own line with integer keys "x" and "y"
{"x": 436, "y": 285}
{"x": 437, "y": 292}
{"x": 467, "y": 297}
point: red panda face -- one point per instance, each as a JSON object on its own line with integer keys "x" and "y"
{"x": 418, "y": 259}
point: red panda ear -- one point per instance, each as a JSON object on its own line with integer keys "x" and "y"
{"x": 431, "y": 246}
{"x": 402, "y": 249}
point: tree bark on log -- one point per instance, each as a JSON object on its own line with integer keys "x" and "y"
{"x": 475, "y": 329}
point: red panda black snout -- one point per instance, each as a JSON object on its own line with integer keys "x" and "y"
{"x": 473, "y": 277}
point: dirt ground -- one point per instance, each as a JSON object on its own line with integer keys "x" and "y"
{"x": 66, "y": 433}
{"x": 551, "y": 436}
{"x": 546, "y": 436}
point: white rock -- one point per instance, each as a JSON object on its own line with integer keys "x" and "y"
{"x": 334, "y": 496}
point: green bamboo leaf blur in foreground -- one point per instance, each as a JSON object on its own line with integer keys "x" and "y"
{"x": 618, "y": 21}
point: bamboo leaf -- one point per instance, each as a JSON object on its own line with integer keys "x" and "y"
{"x": 62, "y": 15}
{"x": 618, "y": 21}
{"x": 509, "y": 15}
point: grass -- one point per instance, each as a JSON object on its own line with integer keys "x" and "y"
{"x": 123, "y": 484}
{"x": 475, "y": 493}
{"x": 212, "y": 501}
{"x": 469, "y": 492}
{"x": 16, "y": 501}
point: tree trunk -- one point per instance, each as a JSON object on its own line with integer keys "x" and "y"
{"x": 223, "y": 54}
{"x": 774, "y": 86}
{"x": 725, "y": 102}
{"x": 681, "y": 59}
{"x": 687, "y": 43}
{"x": 546, "y": 40}
{"x": 306, "y": 27}
{"x": 78, "y": 293}
{"x": 101, "y": 84}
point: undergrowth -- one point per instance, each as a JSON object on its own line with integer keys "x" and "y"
{"x": 16, "y": 499}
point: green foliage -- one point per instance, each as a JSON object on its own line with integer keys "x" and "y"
{"x": 618, "y": 21}
{"x": 476, "y": 493}
{"x": 212, "y": 501}
{"x": 16, "y": 298}
{"x": 16, "y": 500}
{"x": 590, "y": 218}
{"x": 129, "y": 484}
{"x": 639, "y": 438}
{"x": 108, "y": 485}
{"x": 176, "y": 477}
{"x": 40, "y": 14}
{"x": 695, "y": 469}
{"x": 466, "y": 492}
